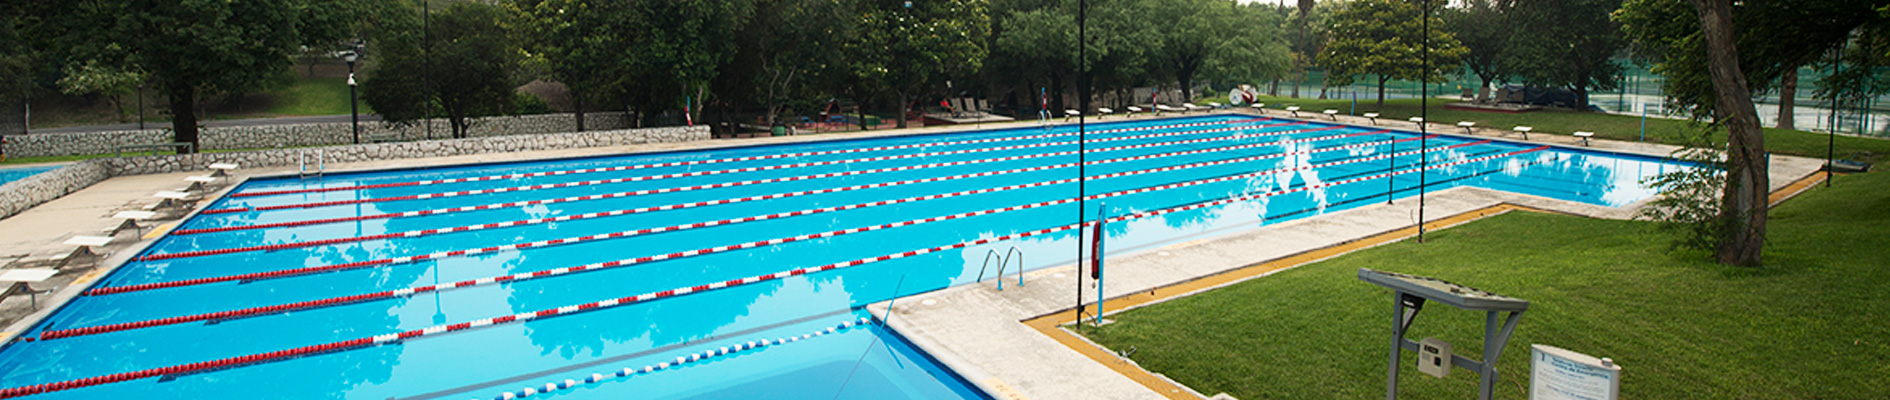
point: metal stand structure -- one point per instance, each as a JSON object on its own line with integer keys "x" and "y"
{"x": 1410, "y": 292}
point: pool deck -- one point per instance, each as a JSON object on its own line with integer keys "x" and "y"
{"x": 975, "y": 329}
{"x": 1017, "y": 345}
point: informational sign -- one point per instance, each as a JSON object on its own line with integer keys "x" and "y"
{"x": 1557, "y": 374}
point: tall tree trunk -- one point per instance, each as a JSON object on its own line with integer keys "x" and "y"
{"x": 577, "y": 108}
{"x": 1381, "y": 91}
{"x": 184, "y": 116}
{"x": 1787, "y": 98}
{"x": 904, "y": 103}
{"x": 1743, "y": 206}
{"x": 1186, "y": 79}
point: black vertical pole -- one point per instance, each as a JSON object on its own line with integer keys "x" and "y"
{"x": 354, "y": 105}
{"x": 141, "y": 106}
{"x": 426, "y": 62}
{"x": 1082, "y": 150}
{"x": 1424, "y": 113}
{"x": 1830, "y": 146}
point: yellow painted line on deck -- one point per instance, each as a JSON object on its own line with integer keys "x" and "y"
{"x": 82, "y": 280}
{"x": 1792, "y": 190}
{"x": 1050, "y": 325}
{"x": 160, "y": 230}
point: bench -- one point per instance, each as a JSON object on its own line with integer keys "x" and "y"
{"x": 1371, "y": 116}
{"x": 21, "y": 278}
{"x": 1331, "y": 113}
{"x": 178, "y": 147}
{"x": 1585, "y": 136}
{"x": 1466, "y": 127}
{"x": 1294, "y": 110}
{"x": 1524, "y": 130}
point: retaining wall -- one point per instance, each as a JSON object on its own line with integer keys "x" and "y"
{"x": 303, "y": 135}
{"x": 25, "y": 193}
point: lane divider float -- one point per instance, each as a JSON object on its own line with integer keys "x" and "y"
{"x": 464, "y": 228}
{"x": 393, "y": 338}
{"x": 639, "y": 232}
{"x": 705, "y": 355}
{"x": 523, "y": 276}
{"x": 689, "y": 174}
{"x": 717, "y": 161}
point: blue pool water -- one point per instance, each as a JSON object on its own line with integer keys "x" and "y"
{"x": 335, "y": 263}
{"x": 14, "y": 174}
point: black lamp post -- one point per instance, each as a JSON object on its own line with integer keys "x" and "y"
{"x": 141, "y": 106}
{"x": 354, "y": 107}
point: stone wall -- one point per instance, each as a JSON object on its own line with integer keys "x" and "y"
{"x": 25, "y": 193}
{"x": 304, "y": 135}
{"x": 17, "y": 196}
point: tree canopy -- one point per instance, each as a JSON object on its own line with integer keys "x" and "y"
{"x": 1381, "y": 37}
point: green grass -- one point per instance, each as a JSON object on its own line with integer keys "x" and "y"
{"x": 1815, "y": 324}
{"x": 312, "y": 96}
{"x": 1619, "y": 127}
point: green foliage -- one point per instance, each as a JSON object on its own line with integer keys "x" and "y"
{"x": 1667, "y": 32}
{"x": 92, "y": 78}
{"x": 790, "y": 51}
{"x": 473, "y": 66}
{"x": 582, "y": 42}
{"x": 907, "y": 51}
{"x": 1689, "y": 204}
{"x": 1381, "y": 37}
{"x": 1195, "y": 36}
{"x": 678, "y": 49}
{"x": 1692, "y": 329}
{"x": 526, "y": 103}
{"x": 1484, "y": 27}
{"x": 1570, "y": 44}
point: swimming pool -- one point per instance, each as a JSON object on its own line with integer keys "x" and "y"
{"x": 13, "y": 174}
{"x": 720, "y": 273}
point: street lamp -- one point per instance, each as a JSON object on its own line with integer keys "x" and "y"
{"x": 354, "y": 107}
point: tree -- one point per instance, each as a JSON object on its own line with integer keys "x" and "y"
{"x": 1484, "y": 27}
{"x": 792, "y": 45}
{"x": 1194, "y": 35}
{"x": 1712, "y": 69}
{"x": 187, "y": 47}
{"x": 905, "y": 51}
{"x": 678, "y": 48}
{"x": 473, "y": 66}
{"x": 92, "y": 78}
{"x": 1571, "y": 44}
{"x": 582, "y": 42}
{"x": 1381, "y": 37}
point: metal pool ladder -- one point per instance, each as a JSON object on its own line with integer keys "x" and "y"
{"x": 1003, "y": 261}
{"x": 301, "y": 160}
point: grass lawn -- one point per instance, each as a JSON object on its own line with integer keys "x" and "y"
{"x": 1619, "y": 127}
{"x": 312, "y": 96}
{"x": 1813, "y": 325}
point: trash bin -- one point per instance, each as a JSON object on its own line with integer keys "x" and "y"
{"x": 780, "y": 130}
{"x": 872, "y": 120}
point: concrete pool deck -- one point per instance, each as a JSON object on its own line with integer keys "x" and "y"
{"x": 980, "y": 333}
{"x": 1015, "y": 344}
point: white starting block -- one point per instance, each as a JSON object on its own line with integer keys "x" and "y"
{"x": 1333, "y": 114}
{"x": 1070, "y": 113}
{"x": 1134, "y": 109}
{"x": 130, "y": 220}
{"x": 1524, "y": 130}
{"x": 222, "y": 169}
{"x": 1585, "y": 136}
{"x": 1418, "y": 120}
{"x": 1294, "y": 110}
{"x": 1192, "y": 107}
{"x": 1466, "y": 127}
{"x": 170, "y": 198}
{"x": 1101, "y": 111}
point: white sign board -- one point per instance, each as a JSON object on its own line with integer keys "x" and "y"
{"x": 1557, "y": 374}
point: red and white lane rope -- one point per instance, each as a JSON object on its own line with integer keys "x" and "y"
{"x": 352, "y": 239}
{"x": 705, "y": 355}
{"x": 721, "y": 160}
{"x": 717, "y": 185}
{"x": 570, "y": 309}
{"x": 623, "y": 234}
{"x": 474, "y": 192}
{"x": 522, "y": 276}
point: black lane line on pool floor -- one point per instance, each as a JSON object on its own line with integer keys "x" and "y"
{"x": 574, "y": 367}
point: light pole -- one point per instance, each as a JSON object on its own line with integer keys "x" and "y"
{"x": 1424, "y": 113}
{"x": 141, "y": 106}
{"x": 354, "y": 107}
